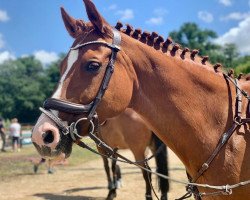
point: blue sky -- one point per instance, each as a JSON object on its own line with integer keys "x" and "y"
{"x": 34, "y": 27}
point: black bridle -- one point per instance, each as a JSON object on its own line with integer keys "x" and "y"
{"x": 89, "y": 109}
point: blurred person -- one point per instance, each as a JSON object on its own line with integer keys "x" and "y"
{"x": 15, "y": 133}
{"x": 43, "y": 160}
{"x": 3, "y": 135}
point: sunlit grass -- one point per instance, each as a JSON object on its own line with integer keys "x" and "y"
{"x": 14, "y": 164}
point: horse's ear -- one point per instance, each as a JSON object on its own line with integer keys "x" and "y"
{"x": 94, "y": 16}
{"x": 73, "y": 26}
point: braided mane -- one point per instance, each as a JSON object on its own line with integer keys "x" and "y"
{"x": 159, "y": 43}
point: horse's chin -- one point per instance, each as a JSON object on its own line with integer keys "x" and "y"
{"x": 62, "y": 151}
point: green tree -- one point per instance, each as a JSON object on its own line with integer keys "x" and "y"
{"x": 52, "y": 74}
{"x": 20, "y": 91}
{"x": 243, "y": 65}
{"x": 24, "y": 85}
{"x": 192, "y": 36}
{"x": 231, "y": 55}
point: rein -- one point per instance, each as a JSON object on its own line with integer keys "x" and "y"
{"x": 237, "y": 123}
{"x": 92, "y": 117}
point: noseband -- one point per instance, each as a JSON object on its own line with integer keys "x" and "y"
{"x": 88, "y": 109}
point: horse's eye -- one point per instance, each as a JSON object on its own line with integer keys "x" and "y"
{"x": 93, "y": 66}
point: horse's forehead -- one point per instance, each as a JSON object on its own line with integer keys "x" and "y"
{"x": 87, "y": 36}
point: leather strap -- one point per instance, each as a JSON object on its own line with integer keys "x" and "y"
{"x": 224, "y": 138}
{"x": 238, "y": 121}
{"x": 65, "y": 106}
{"x": 64, "y": 128}
{"x": 73, "y": 108}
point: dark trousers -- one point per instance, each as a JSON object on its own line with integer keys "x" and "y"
{"x": 3, "y": 137}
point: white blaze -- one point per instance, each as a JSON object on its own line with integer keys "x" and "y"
{"x": 73, "y": 55}
{"x": 44, "y": 123}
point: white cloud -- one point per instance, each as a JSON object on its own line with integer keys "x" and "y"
{"x": 126, "y": 14}
{"x": 155, "y": 21}
{"x": 6, "y": 55}
{"x": 226, "y": 2}
{"x": 235, "y": 16}
{"x": 112, "y": 7}
{"x": 2, "y": 43}
{"x": 205, "y": 16}
{"x": 3, "y": 16}
{"x": 238, "y": 35}
{"x": 24, "y": 55}
{"x": 160, "y": 11}
{"x": 159, "y": 17}
{"x": 45, "y": 57}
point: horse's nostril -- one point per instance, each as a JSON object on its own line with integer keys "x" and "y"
{"x": 48, "y": 137}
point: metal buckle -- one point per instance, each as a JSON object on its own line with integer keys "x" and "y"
{"x": 238, "y": 120}
{"x": 73, "y": 129}
{"x": 227, "y": 191}
{"x": 66, "y": 131}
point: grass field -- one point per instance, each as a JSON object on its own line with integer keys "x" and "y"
{"x": 83, "y": 175}
{"x": 13, "y": 164}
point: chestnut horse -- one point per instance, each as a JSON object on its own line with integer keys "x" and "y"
{"x": 178, "y": 94}
{"x": 128, "y": 131}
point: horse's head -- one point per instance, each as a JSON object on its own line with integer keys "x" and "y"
{"x": 85, "y": 74}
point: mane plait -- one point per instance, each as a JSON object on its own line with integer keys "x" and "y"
{"x": 137, "y": 34}
{"x": 166, "y": 44}
{"x": 157, "y": 42}
{"x": 184, "y": 51}
{"x": 194, "y": 53}
{"x": 152, "y": 38}
{"x": 175, "y": 48}
{"x": 231, "y": 73}
{"x": 144, "y": 37}
{"x": 118, "y": 26}
{"x": 129, "y": 30}
{"x": 217, "y": 66}
{"x": 240, "y": 76}
{"x": 204, "y": 59}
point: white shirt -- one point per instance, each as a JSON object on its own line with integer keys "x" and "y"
{"x": 15, "y": 130}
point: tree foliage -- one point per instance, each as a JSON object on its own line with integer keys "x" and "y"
{"x": 192, "y": 36}
{"x": 243, "y": 65}
{"x": 24, "y": 85}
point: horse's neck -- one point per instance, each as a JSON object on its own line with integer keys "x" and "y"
{"x": 186, "y": 104}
